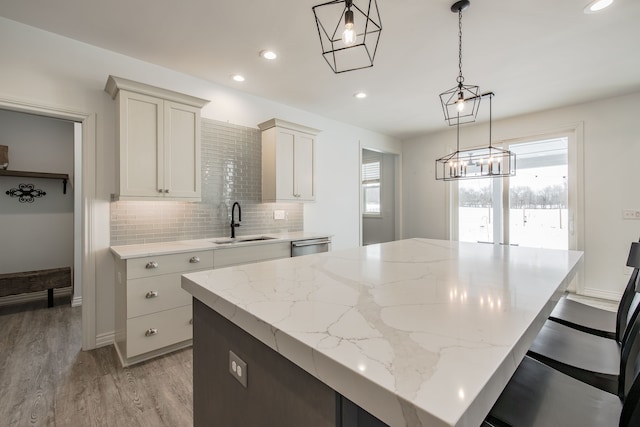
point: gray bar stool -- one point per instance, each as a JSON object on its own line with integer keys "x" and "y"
{"x": 597, "y": 321}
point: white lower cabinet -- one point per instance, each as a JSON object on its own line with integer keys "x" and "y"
{"x": 159, "y": 330}
{"x": 153, "y": 312}
{"x": 227, "y": 257}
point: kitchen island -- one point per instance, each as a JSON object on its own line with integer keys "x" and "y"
{"x": 416, "y": 332}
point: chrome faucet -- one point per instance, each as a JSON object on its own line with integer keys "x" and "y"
{"x": 233, "y": 223}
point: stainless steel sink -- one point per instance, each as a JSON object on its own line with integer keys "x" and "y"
{"x": 241, "y": 240}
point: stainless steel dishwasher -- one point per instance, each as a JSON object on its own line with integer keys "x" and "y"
{"x": 309, "y": 246}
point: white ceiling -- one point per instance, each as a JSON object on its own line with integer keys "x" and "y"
{"x": 534, "y": 55}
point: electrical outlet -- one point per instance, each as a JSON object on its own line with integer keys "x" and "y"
{"x": 278, "y": 214}
{"x": 630, "y": 214}
{"x": 238, "y": 368}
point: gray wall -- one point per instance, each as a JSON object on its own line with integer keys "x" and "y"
{"x": 38, "y": 235}
{"x": 231, "y": 171}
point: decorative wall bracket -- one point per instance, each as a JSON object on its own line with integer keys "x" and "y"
{"x": 63, "y": 176}
{"x": 26, "y": 193}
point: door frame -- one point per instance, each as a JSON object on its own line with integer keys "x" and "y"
{"x": 87, "y": 148}
{"x": 399, "y": 229}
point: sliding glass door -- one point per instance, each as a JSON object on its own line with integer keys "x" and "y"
{"x": 529, "y": 209}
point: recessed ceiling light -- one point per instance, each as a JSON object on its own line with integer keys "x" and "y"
{"x": 360, "y": 95}
{"x": 268, "y": 54}
{"x": 237, "y": 78}
{"x": 597, "y": 6}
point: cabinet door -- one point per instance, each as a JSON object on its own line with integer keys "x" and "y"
{"x": 181, "y": 151}
{"x": 303, "y": 167}
{"x": 141, "y": 154}
{"x": 285, "y": 182}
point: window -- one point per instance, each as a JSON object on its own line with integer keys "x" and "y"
{"x": 371, "y": 187}
{"x": 529, "y": 209}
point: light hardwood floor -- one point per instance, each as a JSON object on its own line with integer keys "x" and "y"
{"x": 47, "y": 380}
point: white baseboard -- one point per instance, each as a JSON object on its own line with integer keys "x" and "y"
{"x": 33, "y": 296}
{"x": 76, "y": 301}
{"x": 103, "y": 340}
{"x": 599, "y": 293}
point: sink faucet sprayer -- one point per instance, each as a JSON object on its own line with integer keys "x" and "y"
{"x": 233, "y": 223}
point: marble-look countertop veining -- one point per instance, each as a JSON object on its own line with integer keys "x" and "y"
{"x": 418, "y": 332}
{"x": 164, "y": 248}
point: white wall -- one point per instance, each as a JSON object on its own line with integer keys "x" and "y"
{"x": 38, "y": 235}
{"x": 611, "y": 153}
{"x": 46, "y": 69}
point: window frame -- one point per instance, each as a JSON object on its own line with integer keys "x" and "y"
{"x": 363, "y": 188}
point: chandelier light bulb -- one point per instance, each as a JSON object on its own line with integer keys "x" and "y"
{"x": 349, "y": 34}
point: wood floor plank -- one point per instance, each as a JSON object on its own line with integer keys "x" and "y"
{"x": 47, "y": 380}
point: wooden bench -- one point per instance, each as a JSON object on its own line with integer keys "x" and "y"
{"x": 33, "y": 281}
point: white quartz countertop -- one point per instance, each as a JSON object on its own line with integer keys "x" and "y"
{"x": 417, "y": 332}
{"x": 163, "y": 248}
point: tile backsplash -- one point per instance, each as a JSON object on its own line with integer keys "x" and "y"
{"x": 231, "y": 171}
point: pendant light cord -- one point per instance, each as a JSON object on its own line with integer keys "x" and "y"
{"x": 460, "y": 78}
{"x": 490, "y": 119}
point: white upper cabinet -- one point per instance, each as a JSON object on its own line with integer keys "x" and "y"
{"x": 158, "y": 147}
{"x": 288, "y": 162}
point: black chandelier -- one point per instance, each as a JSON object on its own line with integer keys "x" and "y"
{"x": 486, "y": 162}
{"x": 349, "y": 32}
{"x": 460, "y": 104}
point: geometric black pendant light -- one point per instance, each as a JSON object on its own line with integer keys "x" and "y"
{"x": 482, "y": 162}
{"x": 349, "y": 32}
{"x": 460, "y": 104}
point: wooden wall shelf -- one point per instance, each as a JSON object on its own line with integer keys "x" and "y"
{"x": 22, "y": 174}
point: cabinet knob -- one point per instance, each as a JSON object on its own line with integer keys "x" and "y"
{"x": 151, "y": 332}
{"x": 151, "y": 264}
{"x": 191, "y": 321}
{"x": 151, "y": 294}
{"x": 194, "y": 260}
{"x": 160, "y": 190}
{"x": 166, "y": 191}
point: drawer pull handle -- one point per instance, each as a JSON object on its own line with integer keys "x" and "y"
{"x": 194, "y": 260}
{"x": 151, "y": 294}
{"x": 151, "y": 264}
{"x": 151, "y": 332}
{"x": 191, "y": 321}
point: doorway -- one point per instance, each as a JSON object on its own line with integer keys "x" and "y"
{"x": 40, "y": 230}
{"x": 379, "y": 197}
{"x": 84, "y": 204}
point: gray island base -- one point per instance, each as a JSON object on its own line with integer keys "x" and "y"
{"x": 278, "y": 392}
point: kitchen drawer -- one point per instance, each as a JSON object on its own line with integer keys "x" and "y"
{"x": 247, "y": 254}
{"x": 157, "y": 293}
{"x": 171, "y": 326}
{"x": 173, "y": 263}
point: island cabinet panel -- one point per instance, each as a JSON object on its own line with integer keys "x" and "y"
{"x": 278, "y": 392}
